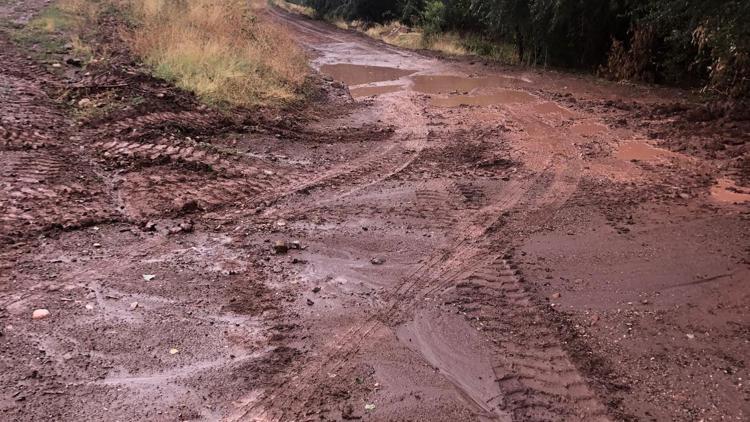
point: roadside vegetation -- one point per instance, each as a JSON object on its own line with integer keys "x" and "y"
{"x": 223, "y": 51}
{"x": 692, "y": 43}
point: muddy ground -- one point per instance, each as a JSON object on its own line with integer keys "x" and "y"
{"x": 427, "y": 239}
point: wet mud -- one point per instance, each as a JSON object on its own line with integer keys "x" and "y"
{"x": 539, "y": 246}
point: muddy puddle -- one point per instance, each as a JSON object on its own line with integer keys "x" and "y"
{"x": 549, "y": 107}
{"x": 725, "y": 190}
{"x": 368, "y": 91}
{"x": 588, "y": 129}
{"x": 643, "y": 151}
{"x": 454, "y": 348}
{"x": 446, "y": 84}
{"x": 506, "y": 96}
{"x": 352, "y": 74}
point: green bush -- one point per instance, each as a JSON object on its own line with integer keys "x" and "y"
{"x": 679, "y": 42}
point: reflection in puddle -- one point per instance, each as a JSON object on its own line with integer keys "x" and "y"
{"x": 588, "y": 128}
{"x": 446, "y": 84}
{"x": 506, "y": 96}
{"x": 725, "y": 190}
{"x": 367, "y": 91}
{"x": 642, "y": 151}
{"x": 352, "y": 74}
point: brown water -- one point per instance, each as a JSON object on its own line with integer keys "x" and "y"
{"x": 588, "y": 128}
{"x": 506, "y": 96}
{"x": 368, "y": 91}
{"x": 446, "y": 84}
{"x": 352, "y": 74}
{"x": 725, "y": 190}
{"x": 552, "y": 108}
{"x": 642, "y": 151}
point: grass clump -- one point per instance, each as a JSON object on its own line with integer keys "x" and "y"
{"x": 58, "y": 29}
{"x": 447, "y": 43}
{"x": 293, "y": 7}
{"x": 218, "y": 49}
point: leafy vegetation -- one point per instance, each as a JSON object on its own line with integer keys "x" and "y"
{"x": 682, "y": 42}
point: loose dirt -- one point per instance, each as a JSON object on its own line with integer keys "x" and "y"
{"x": 425, "y": 240}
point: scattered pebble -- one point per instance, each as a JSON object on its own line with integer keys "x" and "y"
{"x": 40, "y": 314}
{"x": 280, "y": 247}
{"x": 377, "y": 261}
{"x": 149, "y": 277}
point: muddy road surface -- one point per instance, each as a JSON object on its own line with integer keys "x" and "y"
{"x": 429, "y": 240}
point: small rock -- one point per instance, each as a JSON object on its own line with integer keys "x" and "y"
{"x": 73, "y": 61}
{"x": 40, "y": 314}
{"x": 173, "y": 351}
{"x": 556, "y": 295}
{"x": 85, "y": 102}
{"x": 316, "y": 289}
{"x": 134, "y": 306}
{"x": 684, "y": 195}
{"x": 310, "y": 302}
{"x": 150, "y": 226}
{"x": 56, "y": 65}
{"x": 280, "y": 247}
{"x": 377, "y": 261}
{"x": 186, "y": 226}
{"x": 295, "y": 245}
{"x": 188, "y": 206}
{"x": 89, "y": 307}
{"x": 97, "y": 245}
{"x": 690, "y": 336}
{"x": 149, "y": 277}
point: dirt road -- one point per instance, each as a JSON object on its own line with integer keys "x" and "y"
{"x": 431, "y": 239}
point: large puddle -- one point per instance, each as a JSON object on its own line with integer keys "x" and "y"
{"x": 352, "y": 74}
{"x": 549, "y": 107}
{"x": 451, "y": 90}
{"x": 505, "y": 96}
{"x": 588, "y": 128}
{"x": 725, "y": 190}
{"x": 643, "y": 151}
{"x": 446, "y": 84}
{"x": 368, "y": 91}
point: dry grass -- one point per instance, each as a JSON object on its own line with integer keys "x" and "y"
{"x": 294, "y": 8}
{"x": 221, "y": 50}
{"x": 397, "y": 34}
{"x": 218, "y": 49}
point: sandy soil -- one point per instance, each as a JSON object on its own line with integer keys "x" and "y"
{"x": 428, "y": 239}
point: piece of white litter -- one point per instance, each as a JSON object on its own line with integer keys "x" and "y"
{"x": 149, "y": 277}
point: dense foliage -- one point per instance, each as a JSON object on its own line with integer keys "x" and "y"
{"x": 684, "y": 42}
